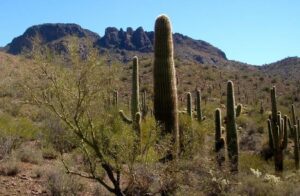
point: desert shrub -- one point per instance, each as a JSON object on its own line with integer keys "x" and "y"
{"x": 59, "y": 183}
{"x": 14, "y": 131}
{"x": 28, "y": 154}
{"x": 49, "y": 152}
{"x": 37, "y": 172}
{"x": 191, "y": 135}
{"x": 56, "y": 135}
{"x": 9, "y": 167}
{"x": 248, "y": 161}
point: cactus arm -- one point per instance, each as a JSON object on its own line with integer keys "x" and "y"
{"x": 124, "y": 117}
{"x": 238, "y": 110}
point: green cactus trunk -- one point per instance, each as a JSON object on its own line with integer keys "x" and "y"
{"x": 231, "y": 130}
{"x": 144, "y": 105}
{"x": 165, "y": 89}
{"x": 219, "y": 141}
{"x": 189, "y": 104}
{"x": 199, "y": 109}
{"x": 134, "y": 95}
{"x": 279, "y": 132}
{"x": 270, "y": 134}
{"x": 296, "y": 145}
{"x": 135, "y": 88}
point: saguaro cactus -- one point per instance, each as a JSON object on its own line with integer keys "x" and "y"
{"x": 219, "y": 141}
{"x": 135, "y": 87}
{"x": 278, "y": 130}
{"x": 189, "y": 104}
{"x": 200, "y": 116}
{"x": 294, "y": 129}
{"x": 144, "y": 107}
{"x": 165, "y": 90}
{"x": 134, "y": 93}
{"x": 296, "y": 144}
{"x": 231, "y": 130}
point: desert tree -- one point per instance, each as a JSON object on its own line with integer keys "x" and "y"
{"x": 75, "y": 93}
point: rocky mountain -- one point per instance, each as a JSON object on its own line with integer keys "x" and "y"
{"x": 52, "y": 35}
{"x": 142, "y": 41}
{"x": 55, "y": 37}
{"x": 121, "y": 45}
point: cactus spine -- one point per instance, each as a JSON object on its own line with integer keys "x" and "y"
{"x": 165, "y": 90}
{"x": 200, "y": 117}
{"x": 231, "y": 130}
{"x": 189, "y": 104}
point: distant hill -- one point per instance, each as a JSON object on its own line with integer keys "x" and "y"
{"x": 121, "y": 45}
{"x": 55, "y": 37}
{"x": 51, "y": 35}
{"x": 288, "y": 68}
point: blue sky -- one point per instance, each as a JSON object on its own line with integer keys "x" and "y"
{"x": 252, "y": 31}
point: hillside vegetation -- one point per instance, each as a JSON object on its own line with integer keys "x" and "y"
{"x": 80, "y": 115}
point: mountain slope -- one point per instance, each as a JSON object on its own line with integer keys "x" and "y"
{"x": 56, "y": 36}
{"x": 52, "y": 35}
{"x": 120, "y": 46}
{"x": 288, "y": 68}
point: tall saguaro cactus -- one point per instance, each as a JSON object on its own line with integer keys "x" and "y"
{"x": 231, "y": 130}
{"x": 295, "y": 128}
{"x": 189, "y": 104}
{"x": 135, "y": 88}
{"x": 296, "y": 144}
{"x": 200, "y": 116}
{"x": 134, "y": 94}
{"x": 165, "y": 90}
{"x": 277, "y": 132}
{"x": 219, "y": 141}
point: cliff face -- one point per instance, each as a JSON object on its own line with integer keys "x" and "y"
{"x": 142, "y": 41}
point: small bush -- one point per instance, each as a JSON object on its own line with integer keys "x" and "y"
{"x": 49, "y": 153}
{"x": 29, "y": 155}
{"x": 59, "y": 183}
{"x": 9, "y": 168}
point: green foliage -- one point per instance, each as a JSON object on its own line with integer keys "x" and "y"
{"x": 14, "y": 131}
{"x": 192, "y": 136}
